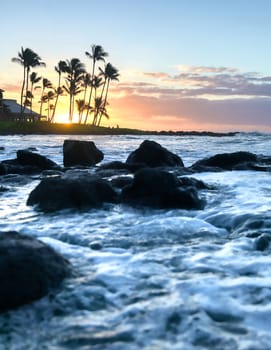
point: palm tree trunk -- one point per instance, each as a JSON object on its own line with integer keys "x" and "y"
{"x": 54, "y": 110}
{"x": 26, "y": 88}
{"x": 90, "y": 94}
{"x": 22, "y": 93}
{"x": 41, "y": 102}
{"x": 81, "y": 112}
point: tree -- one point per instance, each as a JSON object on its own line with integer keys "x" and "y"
{"x": 60, "y": 68}
{"x": 97, "y": 54}
{"x": 34, "y": 79}
{"x": 86, "y": 82}
{"x": 100, "y": 109}
{"x": 48, "y": 98}
{"x": 75, "y": 71}
{"x": 46, "y": 84}
{"x": 109, "y": 73}
{"x": 28, "y": 59}
{"x": 81, "y": 106}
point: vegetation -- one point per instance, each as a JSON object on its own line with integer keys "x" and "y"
{"x": 78, "y": 82}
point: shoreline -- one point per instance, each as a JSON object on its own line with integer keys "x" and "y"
{"x": 44, "y": 128}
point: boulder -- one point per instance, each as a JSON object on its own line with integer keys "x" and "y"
{"x": 226, "y": 161}
{"x": 152, "y": 154}
{"x": 160, "y": 189}
{"x": 86, "y": 191}
{"x": 29, "y": 269}
{"x": 27, "y": 158}
{"x": 83, "y": 153}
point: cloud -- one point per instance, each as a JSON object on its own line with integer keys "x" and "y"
{"x": 203, "y": 97}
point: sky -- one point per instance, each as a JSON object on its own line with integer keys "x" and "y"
{"x": 183, "y": 64}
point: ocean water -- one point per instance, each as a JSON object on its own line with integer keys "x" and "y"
{"x": 150, "y": 279}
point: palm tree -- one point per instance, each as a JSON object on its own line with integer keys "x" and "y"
{"x": 81, "y": 106}
{"x": 109, "y": 73}
{"x": 75, "y": 71}
{"x": 28, "y": 59}
{"x": 97, "y": 54}
{"x": 46, "y": 84}
{"x": 100, "y": 109}
{"x": 96, "y": 83}
{"x": 86, "y": 82}
{"x": 60, "y": 68}
{"x": 49, "y": 97}
{"x": 34, "y": 79}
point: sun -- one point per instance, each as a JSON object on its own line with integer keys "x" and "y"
{"x": 62, "y": 118}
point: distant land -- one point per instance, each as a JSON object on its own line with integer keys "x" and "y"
{"x": 39, "y": 128}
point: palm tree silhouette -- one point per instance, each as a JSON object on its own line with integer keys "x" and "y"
{"x": 75, "y": 70}
{"x": 28, "y": 59}
{"x": 86, "y": 82}
{"x": 96, "y": 83}
{"x": 99, "y": 109}
{"x": 46, "y": 84}
{"x": 60, "y": 68}
{"x": 97, "y": 54}
{"x": 34, "y": 79}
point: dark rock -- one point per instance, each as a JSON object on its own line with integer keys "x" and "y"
{"x": 226, "y": 161}
{"x": 262, "y": 242}
{"x": 117, "y": 165}
{"x": 3, "y": 169}
{"x": 159, "y": 189}
{"x": 121, "y": 181}
{"x": 58, "y": 193}
{"x": 198, "y": 184}
{"x": 152, "y": 154}
{"x": 29, "y": 269}
{"x": 81, "y": 153}
{"x": 27, "y": 158}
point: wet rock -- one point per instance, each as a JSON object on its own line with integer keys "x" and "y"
{"x": 262, "y": 242}
{"x": 3, "y": 169}
{"x": 29, "y": 269}
{"x": 84, "y": 153}
{"x": 152, "y": 154}
{"x": 121, "y": 181}
{"x": 159, "y": 189}
{"x": 226, "y": 161}
{"x": 86, "y": 191}
{"x": 27, "y": 158}
{"x": 198, "y": 184}
{"x": 117, "y": 165}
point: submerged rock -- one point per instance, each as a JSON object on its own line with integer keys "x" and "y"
{"x": 26, "y": 157}
{"x": 152, "y": 154}
{"x": 226, "y": 161}
{"x": 87, "y": 191}
{"x": 84, "y": 153}
{"x": 29, "y": 269}
{"x": 160, "y": 189}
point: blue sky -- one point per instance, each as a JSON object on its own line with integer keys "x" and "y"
{"x": 151, "y": 36}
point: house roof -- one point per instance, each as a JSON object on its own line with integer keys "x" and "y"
{"x": 15, "y": 108}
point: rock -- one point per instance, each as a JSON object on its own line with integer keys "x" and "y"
{"x": 3, "y": 169}
{"x": 121, "y": 181}
{"x": 29, "y": 269}
{"x": 81, "y": 153}
{"x": 159, "y": 189}
{"x": 86, "y": 191}
{"x": 226, "y": 161}
{"x": 152, "y": 154}
{"x": 262, "y": 242}
{"x": 27, "y": 158}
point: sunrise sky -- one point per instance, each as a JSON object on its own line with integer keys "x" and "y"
{"x": 184, "y": 64}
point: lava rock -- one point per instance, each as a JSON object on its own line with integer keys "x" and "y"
{"x": 29, "y": 269}
{"x": 160, "y": 189}
{"x": 83, "y": 153}
{"x": 152, "y": 154}
{"x": 3, "y": 169}
{"x": 226, "y": 161}
{"x": 58, "y": 193}
{"x": 27, "y": 158}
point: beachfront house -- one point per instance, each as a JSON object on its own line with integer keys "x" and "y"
{"x": 10, "y": 110}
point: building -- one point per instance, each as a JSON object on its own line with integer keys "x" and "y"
{"x": 11, "y": 110}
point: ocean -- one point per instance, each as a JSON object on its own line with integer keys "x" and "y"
{"x": 144, "y": 278}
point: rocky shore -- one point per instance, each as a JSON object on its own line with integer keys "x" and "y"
{"x": 151, "y": 177}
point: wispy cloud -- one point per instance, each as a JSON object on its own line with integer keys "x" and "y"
{"x": 203, "y": 96}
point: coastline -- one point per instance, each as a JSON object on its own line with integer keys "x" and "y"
{"x": 44, "y": 128}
